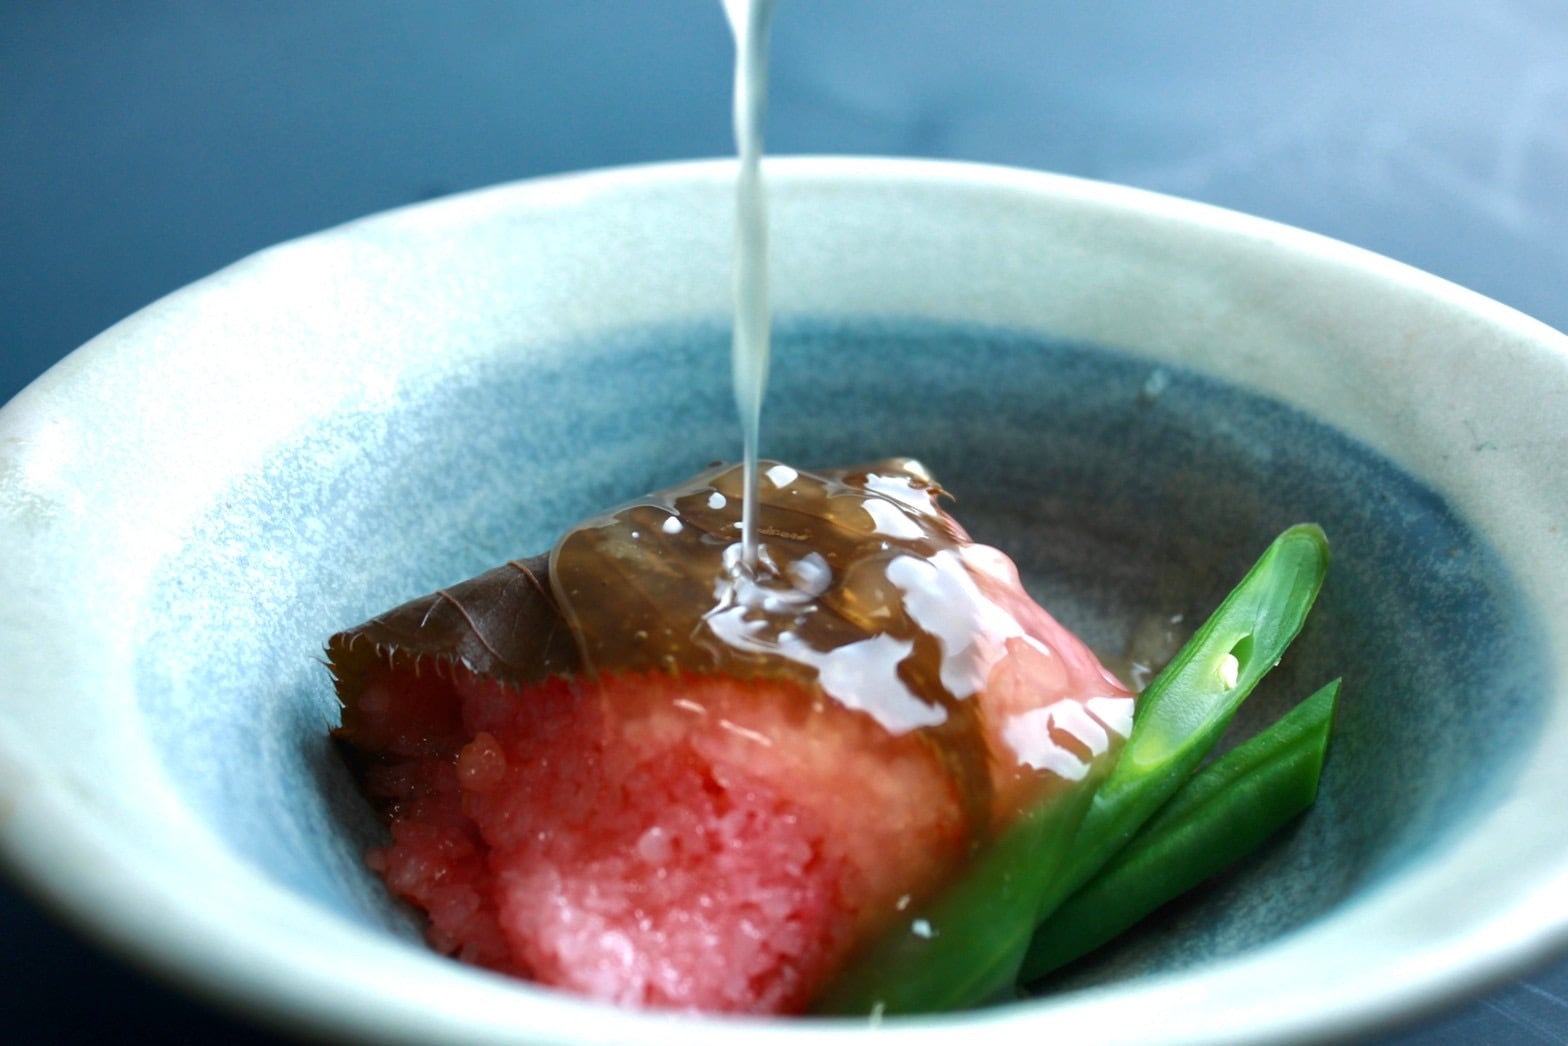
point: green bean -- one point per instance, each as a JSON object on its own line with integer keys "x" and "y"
{"x": 966, "y": 946}
{"x": 1227, "y": 810}
{"x": 1185, "y": 709}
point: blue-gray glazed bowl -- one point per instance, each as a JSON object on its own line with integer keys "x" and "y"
{"x": 1127, "y": 392}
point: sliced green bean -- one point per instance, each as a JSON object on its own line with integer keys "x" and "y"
{"x": 1185, "y": 709}
{"x": 966, "y": 946}
{"x": 1227, "y": 810}
{"x": 963, "y": 947}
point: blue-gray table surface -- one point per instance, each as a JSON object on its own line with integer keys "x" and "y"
{"x": 146, "y": 145}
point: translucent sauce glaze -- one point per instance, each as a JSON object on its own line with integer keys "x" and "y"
{"x": 867, "y": 594}
{"x": 852, "y": 584}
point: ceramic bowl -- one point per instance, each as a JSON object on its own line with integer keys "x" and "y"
{"x": 1130, "y": 393}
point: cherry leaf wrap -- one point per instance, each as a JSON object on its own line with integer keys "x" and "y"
{"x": 504, "y": 624}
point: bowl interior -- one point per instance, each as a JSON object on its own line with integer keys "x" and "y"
{"x": 1131, "y": 493}
{"x": 1131, "y": 395}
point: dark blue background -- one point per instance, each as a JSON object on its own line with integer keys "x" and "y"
{"x": 144, "y": 145}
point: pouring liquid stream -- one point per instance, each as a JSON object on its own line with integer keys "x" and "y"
{"x": 866, "y": 595}
{"x": 750, "y": 21}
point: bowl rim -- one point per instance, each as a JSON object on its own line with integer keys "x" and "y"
{"x": 66, "y": 852}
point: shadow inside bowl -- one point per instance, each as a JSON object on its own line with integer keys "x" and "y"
{"x": 1127, "y": 492}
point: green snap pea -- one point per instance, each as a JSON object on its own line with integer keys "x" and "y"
{"x": 963, "y": 947}
{"x": 1185, "y": 709}
{"x": 1227, "y": 810}
{"x": 966, "y": 946}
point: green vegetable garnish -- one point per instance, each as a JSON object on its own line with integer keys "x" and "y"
{"x": 967, "y": 945}
{"x": 1223, "y": 813}
{"x": 1185, "y": 709}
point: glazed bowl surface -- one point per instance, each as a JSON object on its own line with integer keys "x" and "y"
{"x": 1129, "y": 393}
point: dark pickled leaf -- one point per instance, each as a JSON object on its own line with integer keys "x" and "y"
{"x": 504, "y": 624}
